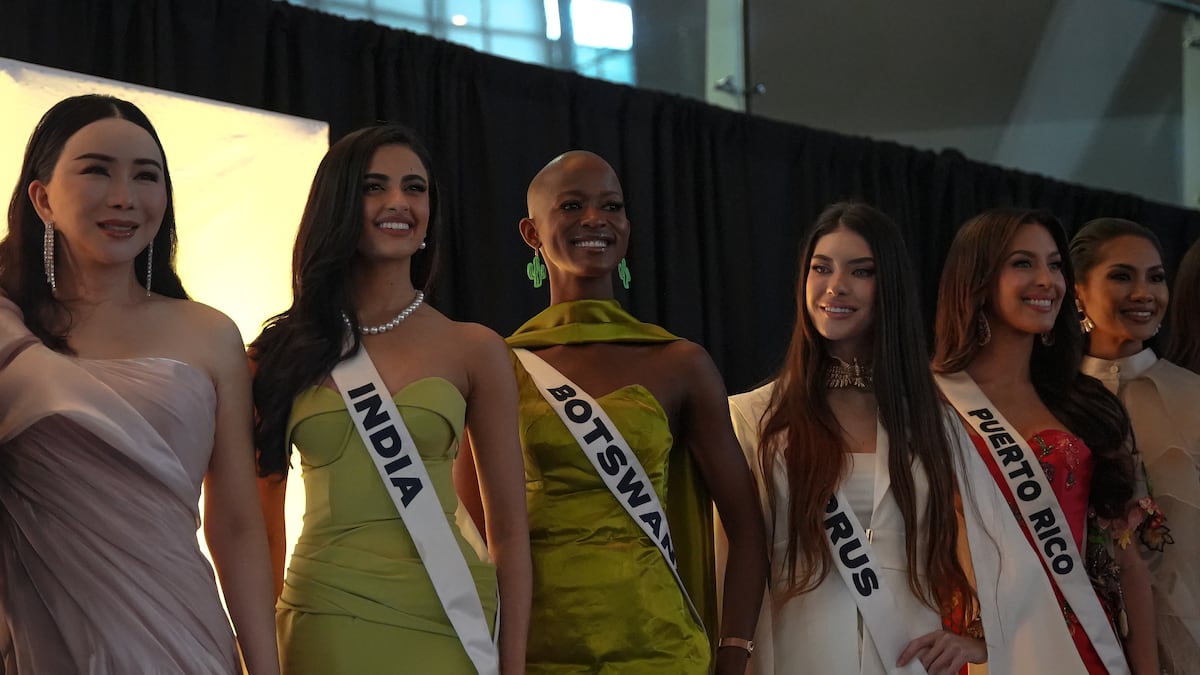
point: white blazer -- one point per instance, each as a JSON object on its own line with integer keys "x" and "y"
{"x": 819, "y": 632}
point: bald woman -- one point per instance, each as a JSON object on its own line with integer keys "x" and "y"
{"x": 612, "y": 412}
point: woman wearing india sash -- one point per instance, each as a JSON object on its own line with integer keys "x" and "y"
{"x": 606, "y": 599}
{"x": 366, "y": 590}
{"x": 1056, "y": 441}
{"x": 119, "y": 398}
{"x": 853, "y": 418}
{"x": 1121, "y": 285}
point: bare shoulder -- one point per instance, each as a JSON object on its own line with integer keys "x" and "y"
{"x": 202, "y": 334}
{"x": 205, "y": 321}
{"x": 483, "y": 344}
{"x": 690, "y": 358}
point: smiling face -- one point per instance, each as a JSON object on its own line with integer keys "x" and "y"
{"x": 107, "y": 194}
{"x": 839, "y": 293}
{"x": 395, "y": 204}
{"x": 577, "y": 217}
{"x": 1027, "y": 293}
{"x": 1125, "y": 295}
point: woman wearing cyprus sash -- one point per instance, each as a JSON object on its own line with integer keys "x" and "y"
{"x": 1122, "y": 290}
{"x": 855, "y": 411}
{"x": 1008, "y": 359}
{"x": 605, "y": 599}
{"x": 365, "y": 592}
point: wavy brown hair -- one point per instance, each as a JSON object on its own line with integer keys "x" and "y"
{"x": 1183, "y": 339}
{"x": 299, "y": 347}
{"x": 1080, "y": 402}
{"x": 799, "y": 431}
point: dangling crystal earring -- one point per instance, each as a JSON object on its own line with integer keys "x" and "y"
{"x": 623, "y": 273}
{"x": 536, "y": 271}
{"x": 1156, "y": 329}
{"x": 422, "y": 246}
{"x": 1085, "y": 324}
{"x": 48, "y": 257}
{"x": 149, "y": 266}
{"x": 984, "y": 330}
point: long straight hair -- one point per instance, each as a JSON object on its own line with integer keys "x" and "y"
{"x": 1080, "y": 402}
{"x": 1183, "y": 341}
{"x": 799, "y": 431}
{"x": 22, "y": 275}
{"x": 299, "y": 347}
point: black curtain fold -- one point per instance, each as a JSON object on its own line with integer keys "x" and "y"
{"x": 718, "y": 200}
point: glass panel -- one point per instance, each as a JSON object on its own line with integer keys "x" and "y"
{"x": 602, "y": 23}
{"x": 397, "y": 21}
{"x": 521, "y": 48}
{"x": 462, "y": 13}
{"x": 471, "y": 37}
{"x": 410, "y": 7}
{"x": 523, "y": 16}
{"x": 350, "y": 10}
{"x": 553, "y": 24}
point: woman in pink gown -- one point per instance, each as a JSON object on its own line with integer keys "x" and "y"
{"x": 118, "y": 397}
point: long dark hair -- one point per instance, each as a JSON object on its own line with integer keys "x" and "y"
{"x": 1080, "y": 402}
{"x": 1086, "y": 244}
{"x": 22, "y": 275}
{"x": 800, "y": 432}
{"x": 299, "y": 347}
{"x": 1183, "y": 340}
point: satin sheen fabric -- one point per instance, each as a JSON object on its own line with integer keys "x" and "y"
{"x": 357, "y": 597}
{"x": 604, "y": 600}
{"x": 101, "y": 463}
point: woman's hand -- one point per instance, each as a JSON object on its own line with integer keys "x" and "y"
{"x": 943, "y": 652}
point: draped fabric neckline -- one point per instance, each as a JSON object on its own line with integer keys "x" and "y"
{"x": 584, "y": 322}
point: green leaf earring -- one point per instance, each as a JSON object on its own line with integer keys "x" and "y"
{"x": 535, "y": 270}
{"x": 623, "y": 273}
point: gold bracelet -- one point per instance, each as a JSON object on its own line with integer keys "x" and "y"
{"x": 740, "y": 643}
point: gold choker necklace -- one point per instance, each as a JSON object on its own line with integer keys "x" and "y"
{"x": 842, "y": 375}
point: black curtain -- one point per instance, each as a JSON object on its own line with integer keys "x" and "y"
{"x": 718, "y": 200}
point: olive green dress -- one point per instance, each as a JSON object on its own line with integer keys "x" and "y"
{"x": 604, "y": 600}
{"x": 357, "y": 598}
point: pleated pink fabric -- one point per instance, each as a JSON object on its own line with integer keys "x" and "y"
{"x": 101, "y": 463}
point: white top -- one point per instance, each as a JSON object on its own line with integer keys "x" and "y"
{"x": 859, "y": 486}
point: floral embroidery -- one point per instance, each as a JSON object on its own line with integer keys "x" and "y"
{"x": 1153, "y": 530}
{"x": 1070, "y": 454}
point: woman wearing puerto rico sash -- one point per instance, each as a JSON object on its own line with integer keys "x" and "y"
{"x": 1056, "y": 441}
{"x": 612, "y": 410}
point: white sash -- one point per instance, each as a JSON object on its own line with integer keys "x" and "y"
{"x": 610, "y": 455}
{"x": 855, "y": 561}
{"x": 403, "y": 473}
{"x": 1040, "y": 511}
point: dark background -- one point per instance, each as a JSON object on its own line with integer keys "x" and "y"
{"x": 718, "y": 200}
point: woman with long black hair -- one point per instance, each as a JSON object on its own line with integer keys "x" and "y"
{"x": 358, "y": 371}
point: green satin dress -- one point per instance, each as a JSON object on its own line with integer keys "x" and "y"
{"x": 604, "y": 600}
{"x": 357, "y": 598}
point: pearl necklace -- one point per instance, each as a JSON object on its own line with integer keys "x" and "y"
{"x": 383, "y": 328}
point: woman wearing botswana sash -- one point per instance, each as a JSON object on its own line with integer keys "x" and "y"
{"x": 604, "y": 598}
{"x": 999, "y": 325}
